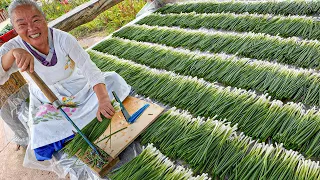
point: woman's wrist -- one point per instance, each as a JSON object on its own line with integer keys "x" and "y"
{"x": 7, "y": 60}
{"x": 101, "y": 91}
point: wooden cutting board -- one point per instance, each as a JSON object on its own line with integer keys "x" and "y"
{"x": 125, "y": 137}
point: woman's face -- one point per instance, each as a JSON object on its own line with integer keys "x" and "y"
{"x": 31, "y": 26}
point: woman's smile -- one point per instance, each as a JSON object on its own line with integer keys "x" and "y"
{"x": 31, "y": 26}
{"x": 35, "y": 35}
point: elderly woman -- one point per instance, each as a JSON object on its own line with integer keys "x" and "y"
{"x": 66, "y": 68}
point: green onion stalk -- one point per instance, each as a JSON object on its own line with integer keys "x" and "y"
{"x": 292, "y": 51}
{"x": 215, "y": 147}
{"x": 256, "y": 116}
{"x": 281, "y": 82}
{"x": 93, "y": 131}
{"x": 304, "y": 27}
{"x": 266, "y": 7}
{"x": 152, "y": 164}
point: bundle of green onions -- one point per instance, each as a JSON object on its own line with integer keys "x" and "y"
{"x": 257, "y": 116}
{"x": 303, "y": 53}
{"x": 215, "y": 147}
{"x": 263, "y": 7}
{"x": 281, "y": 82}
{"x": 93, "y": 131}
{"x": 151, "y": 164}
{"x": 305, "y": 27}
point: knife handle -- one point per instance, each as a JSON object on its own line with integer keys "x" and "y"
{"x": 123, "y": 109}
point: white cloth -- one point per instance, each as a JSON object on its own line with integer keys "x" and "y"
{"x": 72, "y": 80}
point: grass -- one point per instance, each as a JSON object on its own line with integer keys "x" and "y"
{"x": 107, "y": 22}
{"x": 110, "y": 20}
{"x": 55, "y": 9}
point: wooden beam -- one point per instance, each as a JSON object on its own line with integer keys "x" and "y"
{"x": 82, "y": 14}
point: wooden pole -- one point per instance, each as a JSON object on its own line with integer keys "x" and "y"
{"x": 82, "y": 14}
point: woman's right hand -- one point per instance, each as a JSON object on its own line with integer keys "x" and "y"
{"x": 24, "y": 59}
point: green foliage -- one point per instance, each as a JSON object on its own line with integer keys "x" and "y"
{"x": 271, "y": 7}
{"x": 304, "y": 27}
{"x": 255, "y": 115}
{"x": 258, "y": 46}
{"x": 4, "y": 4}
{"x": 112, "y": 19}
{"x": 107, "y": 22}
{"x": 54, "y": 9}
{"x": 6, "y": 29}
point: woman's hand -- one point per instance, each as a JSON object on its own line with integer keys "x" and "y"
{"x": 23, "y": 59}
{"x": 105, "y": 106}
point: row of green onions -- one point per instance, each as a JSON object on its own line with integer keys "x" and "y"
{"x": 214, "y": 147}
{"x": 270, "y": 7}
{"x": 258, "y": 46}
{"x": 257, "y": 116}
{"x": 152, "y": 164}
{"x": 279, "y": 81}
{"x": 304, "y": 27}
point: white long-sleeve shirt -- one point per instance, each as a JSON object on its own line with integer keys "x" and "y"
{"x": 65, "y": 46}
{"x": 71, "y": 79}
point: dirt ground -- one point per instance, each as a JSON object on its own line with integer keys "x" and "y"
{"x": 11, "y": 162}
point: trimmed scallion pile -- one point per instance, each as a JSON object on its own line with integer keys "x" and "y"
{"x": 279, "y": 81}
{"x": 93, "y": 131}
{"x": 304, "y": 27}
{"x": 258, "y": 46}
{"x": 216, "y": 148}
{"x": 270, "y": 7}
{"x": 152, "y": 164}
{"x": 255, "y": 115}
{"x": 255, "y": 137}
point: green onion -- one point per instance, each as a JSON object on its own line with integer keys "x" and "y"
{"x": 250, "y": 111}
{"x": 305, "y": 27}
{"x": 93, "y": 131}
{"x": 267, "y": 7}
{"x": 152, "y": 164}
{"x": 303, "y": 53}
{"x": 215, "y": 147}
{"x": 279, "y": 81}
